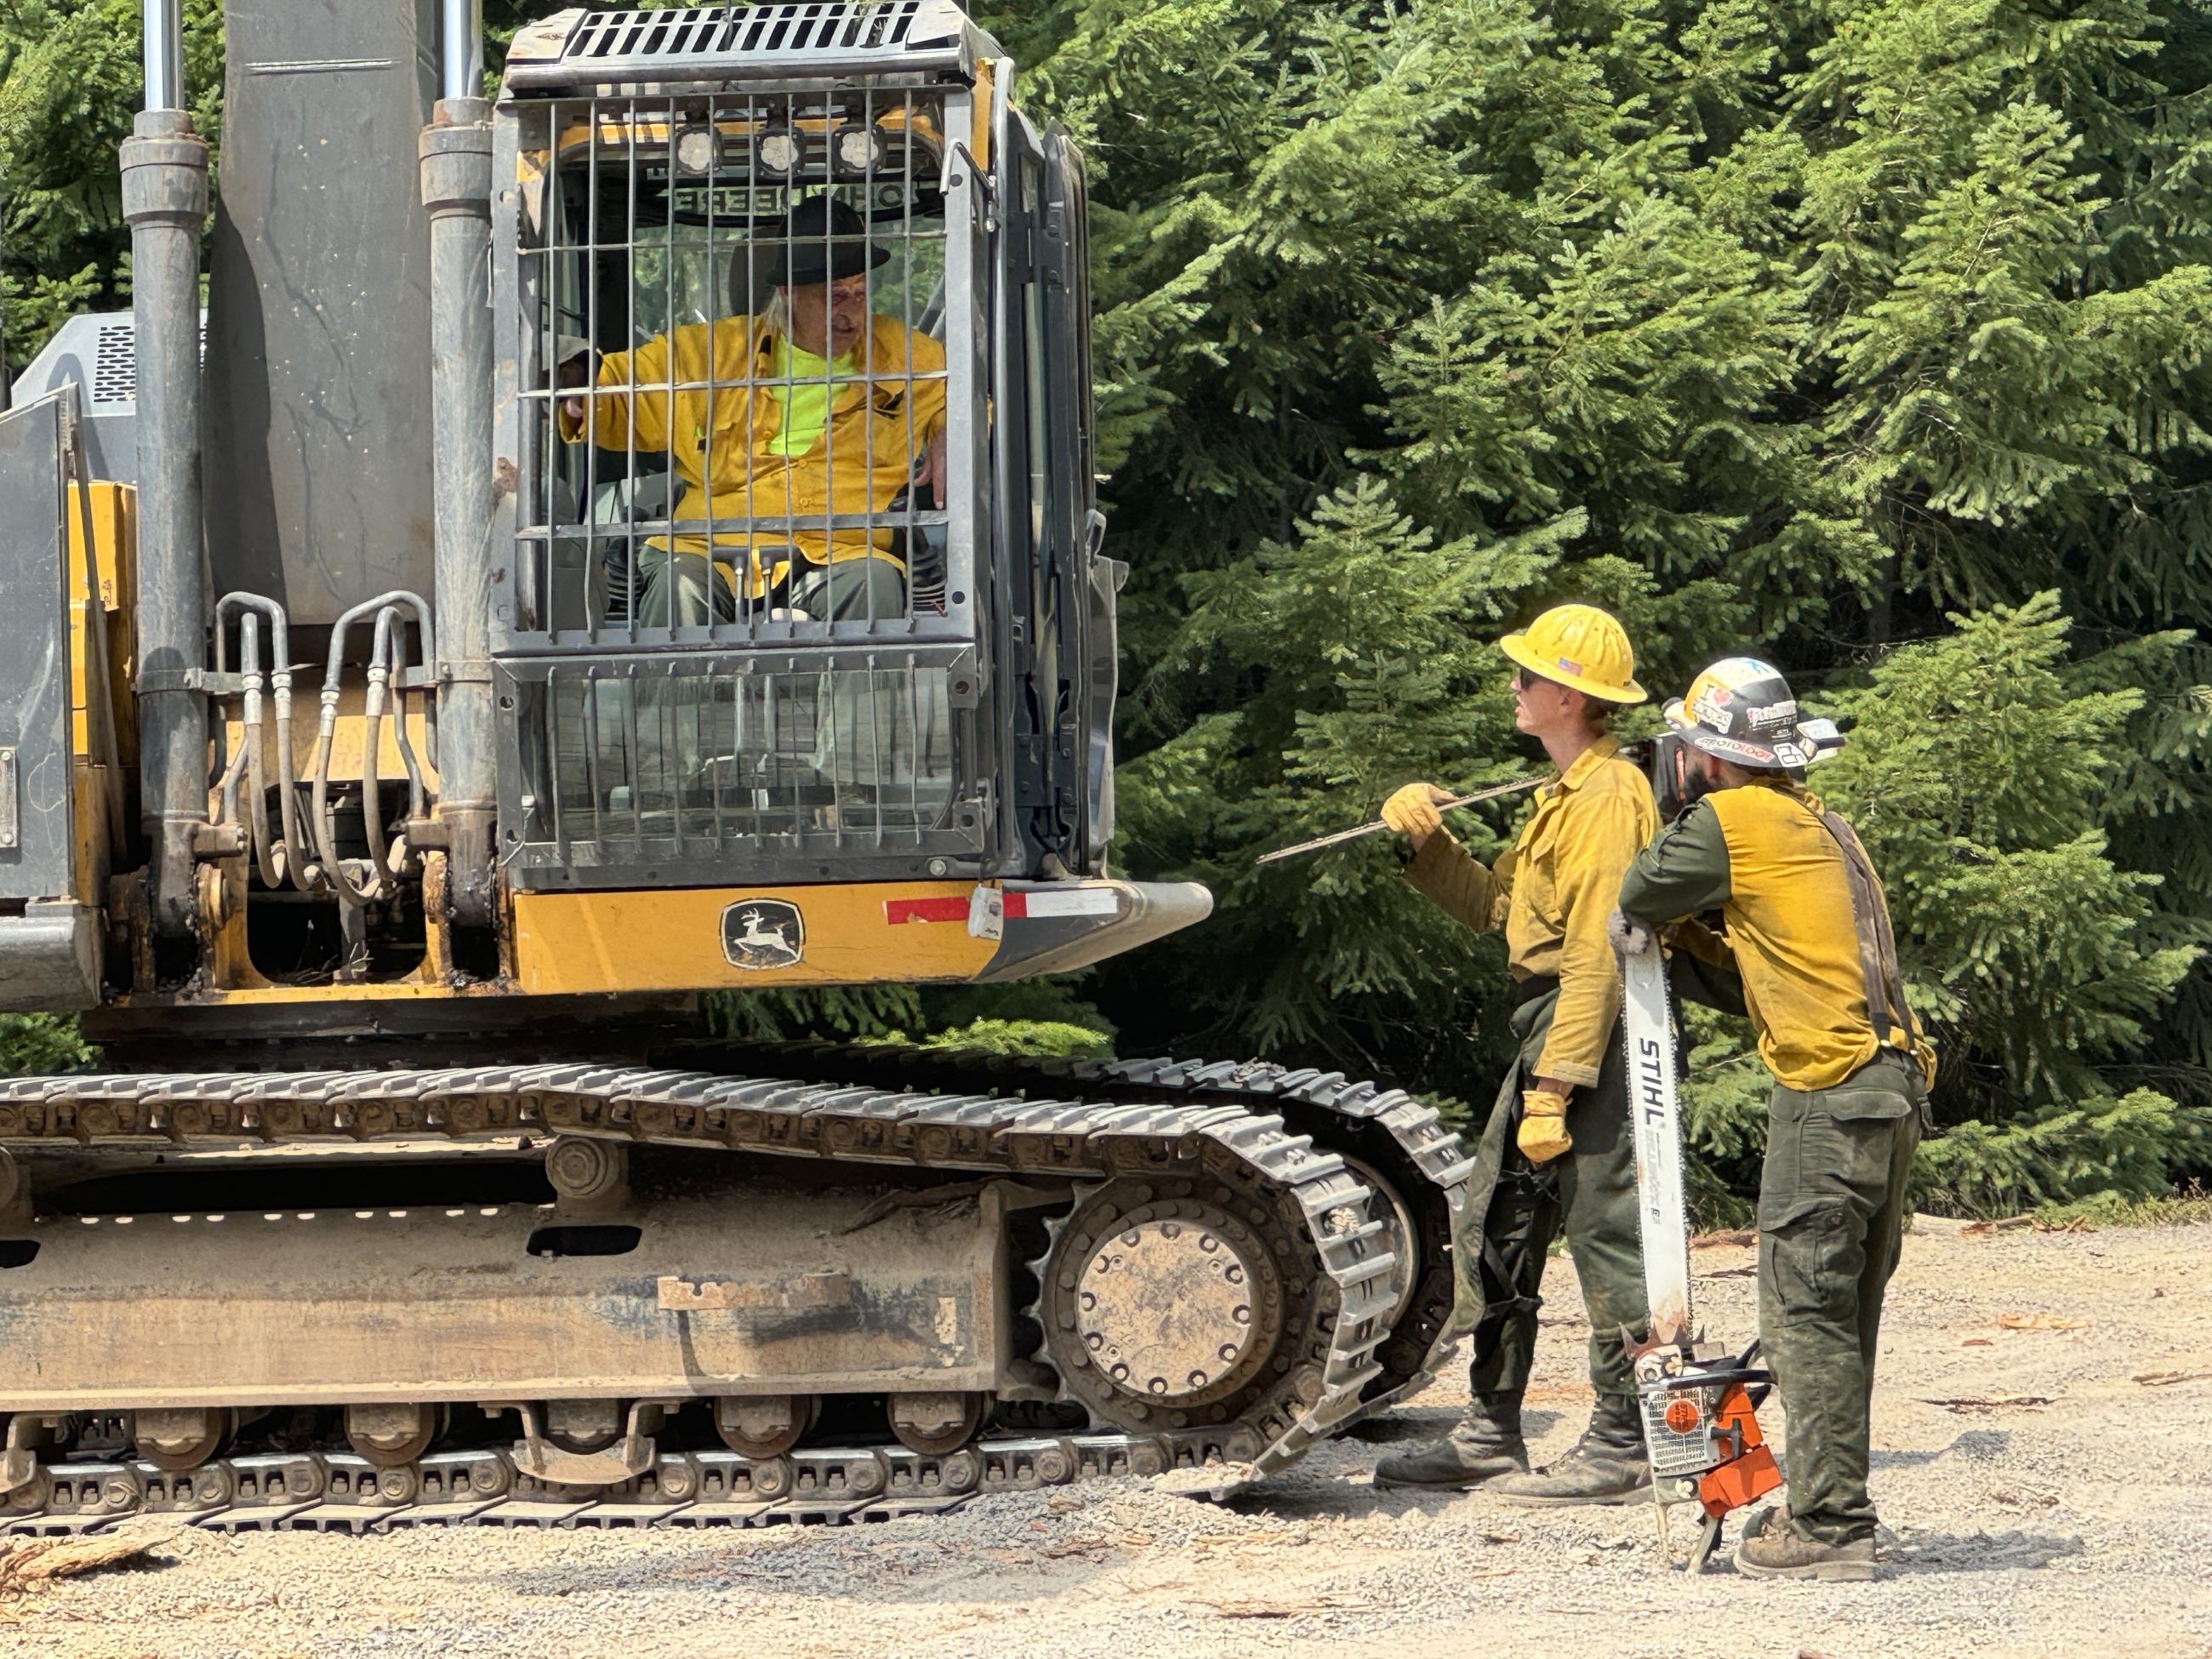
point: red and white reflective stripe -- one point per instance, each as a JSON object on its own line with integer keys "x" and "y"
{"x": 1019, "y": 905}
{"x": 1064, "y": 902}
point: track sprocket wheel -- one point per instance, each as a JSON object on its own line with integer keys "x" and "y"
{"x": 1172, "y": 1302}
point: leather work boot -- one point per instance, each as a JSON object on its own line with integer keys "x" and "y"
{"x": 1607, "y": 1465}
{"x": 1772, "y": 1548}
{"x": 1485, "y": 1444}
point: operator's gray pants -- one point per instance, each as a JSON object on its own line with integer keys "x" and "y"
{"x": 880, "y": 730}
{"x": 851, "y": 590}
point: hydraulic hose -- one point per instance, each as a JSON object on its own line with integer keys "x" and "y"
{"x": 291, "y": 858}
{"x": 383, "y": 647}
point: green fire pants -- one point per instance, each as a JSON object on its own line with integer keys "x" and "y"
{"x": 1516, "y": 1209}
{"x": 1831, "y": 1206}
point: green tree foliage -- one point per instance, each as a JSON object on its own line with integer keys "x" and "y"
{"x": 1863, "y": 333}
{"x": 69, "y": 84}
{"x": 41, "y": 1042}
{"x": 1816, "y": 329}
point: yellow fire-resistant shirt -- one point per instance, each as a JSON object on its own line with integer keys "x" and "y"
{"x": 1760, "y": 854}
{"x": 724, "y": 442}
{"x": 1551, "y": 894}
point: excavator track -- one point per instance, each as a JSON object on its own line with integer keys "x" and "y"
{"x": 1399, "y": 1144}
{"x": 1346, "y": 1189}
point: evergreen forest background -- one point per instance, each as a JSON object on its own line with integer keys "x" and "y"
{"x": 1868, "y": 335}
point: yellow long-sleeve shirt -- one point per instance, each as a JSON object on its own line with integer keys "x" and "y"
{"x": 1760, "y": 854}
{"x": 1551, "y": 894}
{"x": 723, "y": 442}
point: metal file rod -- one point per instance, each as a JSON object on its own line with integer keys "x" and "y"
{"x": 1517, "y": 787}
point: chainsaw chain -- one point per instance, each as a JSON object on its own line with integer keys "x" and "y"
{"x": 1331, "y": 1336}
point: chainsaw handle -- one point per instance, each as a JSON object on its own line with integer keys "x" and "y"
{"x": 1751, "y": 1377}
{"x": 1756, "y": 1393}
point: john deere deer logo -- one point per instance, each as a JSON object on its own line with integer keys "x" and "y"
{"x": 763, "y": 933}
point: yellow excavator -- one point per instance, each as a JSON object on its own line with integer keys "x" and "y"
{"x": 646, "y": 549}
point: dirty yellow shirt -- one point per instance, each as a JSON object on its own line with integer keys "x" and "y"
{"x": 723, "y": 442}
{"x": 1553, "y": 893}
{"x": 1785, "y": 895}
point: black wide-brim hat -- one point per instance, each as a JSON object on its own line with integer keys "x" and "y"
{"x": 823, "y": 240}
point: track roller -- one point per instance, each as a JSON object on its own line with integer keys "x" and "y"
{"x": 583, "y": 1426}
{"x": 391, "y": 1436}
{"x": 177, "y": 1440}
{"x": 32, "y": 1498}
{"x": 935, "y": 1424}
{"x": 764, "y": 1424}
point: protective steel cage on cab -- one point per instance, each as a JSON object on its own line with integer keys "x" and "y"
{"x": 746, "y": 600}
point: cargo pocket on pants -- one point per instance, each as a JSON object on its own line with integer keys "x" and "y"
{"x": 1799, "y": 1243}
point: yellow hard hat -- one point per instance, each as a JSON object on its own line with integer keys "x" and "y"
{"x": 1582, "y": 648}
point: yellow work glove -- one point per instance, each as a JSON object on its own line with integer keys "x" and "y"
{"x": 1413, "y": 810}
{"x": 1543, "y": 1133}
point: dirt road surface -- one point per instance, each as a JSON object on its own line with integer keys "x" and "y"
{"x": 2069, "y": 1513}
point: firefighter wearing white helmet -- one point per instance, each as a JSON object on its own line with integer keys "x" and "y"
{"x": 1742, "y": 710}
{"x": 1557, "y": 1153}
{"x": 1808, "y": 929}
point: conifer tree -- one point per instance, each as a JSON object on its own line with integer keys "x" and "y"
{"x": 1829, "y": 321}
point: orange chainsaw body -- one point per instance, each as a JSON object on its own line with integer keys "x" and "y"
{"x": 1751, "y": 1474}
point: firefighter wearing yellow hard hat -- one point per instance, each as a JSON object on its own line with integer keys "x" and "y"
{"x": 1808, "y": 929}
{"x": 1556, "y": 1154}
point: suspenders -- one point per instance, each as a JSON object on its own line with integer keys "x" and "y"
{"x": 1885, "y": 986}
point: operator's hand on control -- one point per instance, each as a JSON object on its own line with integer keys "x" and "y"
{"x": 1411, "y": 811}
{"x": 1543, "y": 1132}
{"x": 1627, "y": 936}
{"x": 575, "y": 371}
{"x": 933, "y": 470}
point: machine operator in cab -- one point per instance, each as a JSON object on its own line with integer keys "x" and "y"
{"x": 1557, "y": 1153}
{"x": 816, "y": 406}
{"x": 1807, "y": 928}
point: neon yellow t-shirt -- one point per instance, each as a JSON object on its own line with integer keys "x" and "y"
{"x": 807, "y": 381}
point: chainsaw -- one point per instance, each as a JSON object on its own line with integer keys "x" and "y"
{"x": 1700, "y": 1401}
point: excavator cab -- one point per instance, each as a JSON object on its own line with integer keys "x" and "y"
{"x": 545, "y": 602}
{"x": 642, "y": 543}
{"x": 847, "y": 573}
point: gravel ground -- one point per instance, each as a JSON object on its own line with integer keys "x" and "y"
{"x": 2070, "y": 1514}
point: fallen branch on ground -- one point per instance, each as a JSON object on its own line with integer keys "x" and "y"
{"x": 1291, "y": 1607}
{"x": 2040, "y": 1322}
{"x": 26, "y": 1563}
